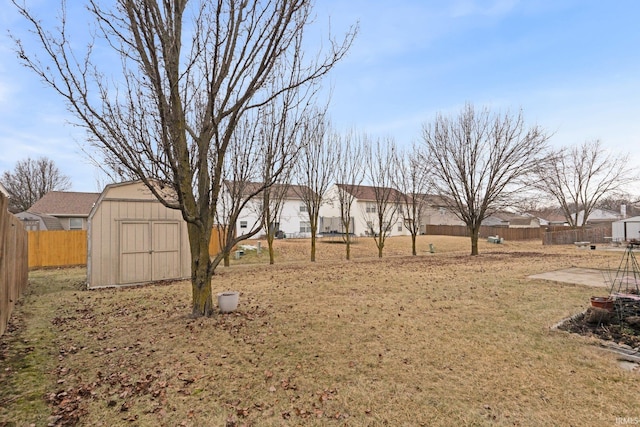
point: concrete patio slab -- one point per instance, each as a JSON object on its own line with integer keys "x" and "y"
{"x": 579, "y": 276}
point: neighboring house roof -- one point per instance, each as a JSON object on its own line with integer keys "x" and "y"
{"x": 524, "y": 221}
{"x": 47, "y": 222}
{"x": 501, "y": 218}
{"x": 493, "y": 221}
{"x": 599, "y": 215}
{"x": 505, "y": 216}
{"x": 548, "y": 216}
{"x": 436, "y": 200}
{"x": 65, "y": 203}
{"x": 541, "y": 221}
{"x": 368, "y": 193}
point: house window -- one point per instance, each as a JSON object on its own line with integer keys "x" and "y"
{"x": 371, "y": 208}
{"x": 303, "y": 207}
{"x": 305, "y": 227}
{"x": 243, "y": 224}
{"x": 399, "y": 226}
{"x": 75, "y": 223}
{"x": 442, "y": 211}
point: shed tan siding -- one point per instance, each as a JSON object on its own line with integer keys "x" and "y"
{"x": 133, "y": 238}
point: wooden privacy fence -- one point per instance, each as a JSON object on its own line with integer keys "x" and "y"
{"x": 57, "y": 248}
{"x": 486, "y": 231}
{"x": 569, "y": 237}
{"x": 13, "y": 262}
{"x": 218, "y": 235}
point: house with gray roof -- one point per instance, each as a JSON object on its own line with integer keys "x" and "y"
{"x": 60, "y": 210}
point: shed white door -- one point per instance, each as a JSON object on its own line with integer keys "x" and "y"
{"x": 149, "y": 251}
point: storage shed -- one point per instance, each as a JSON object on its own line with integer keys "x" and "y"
{"x": 134, "y": 239}
{"x": 626, "y": 229}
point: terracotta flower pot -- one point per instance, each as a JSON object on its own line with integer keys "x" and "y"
{"x": 228, "y": 301}
{"x": 602, "y": 302}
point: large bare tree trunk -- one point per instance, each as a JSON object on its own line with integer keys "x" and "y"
{"x": 313, "y": 244}
{"x": 201, "y": 273}
{"x": 347, "y": 237}
{"x": 272, "y": 257}
{"x": 475, "y": 232}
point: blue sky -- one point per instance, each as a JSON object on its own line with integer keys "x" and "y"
{"x": 572, "y": 66}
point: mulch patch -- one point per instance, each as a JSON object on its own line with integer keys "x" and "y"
{"x": 604, "y": 325}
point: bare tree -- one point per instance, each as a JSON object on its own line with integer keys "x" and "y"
{"x": 30, "y": 180}
{"x": 280, "y": 149}
{"x": 190, "y": 71}
{"x": 624, "y": 203}
{"x": 479, "y": 161}
{"x": 383, "y": 206}
{"x": 239, "y": 189}
{"x": 578, "y": 178}
{"x": 411, "y": 179}
{"x": 270, "y": 206}
{"x": 349, "y": 174}
{"x": 315, "y": 168}
{"x": 264, "y": 150}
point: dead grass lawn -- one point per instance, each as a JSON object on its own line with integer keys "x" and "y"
{"x": 437, "y": 339}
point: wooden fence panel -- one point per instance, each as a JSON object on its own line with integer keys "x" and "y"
{"x": 485, "y": 231}
{"x": 218, "y": 235}
{"x": 569, "y": 237}
{"x": 13, "y": 262}
{"x": 57, "y": 248}
{"x": 447, "y": 230}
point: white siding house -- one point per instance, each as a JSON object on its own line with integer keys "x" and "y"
{"x": 363, "y": 212}
{"x": 292, "y": 217}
